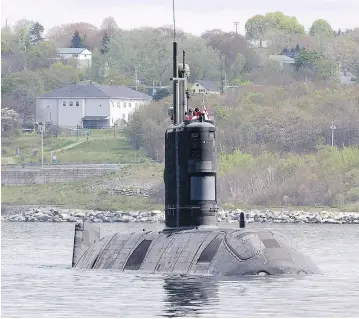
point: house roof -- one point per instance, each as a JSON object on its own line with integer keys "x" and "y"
{"x": 85, "y": 90}
{"x": 282, "y": 58}
{"x": 95, "y": 118}
{"x": 209, "y": 85}
{"x": 70, "y": 50}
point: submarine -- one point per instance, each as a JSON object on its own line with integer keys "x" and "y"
{"x": 191, "y": 243}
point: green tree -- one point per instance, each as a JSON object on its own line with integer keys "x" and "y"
{"x": 256, "y": 28}
{"x": 77, "y": 41}
{"x": 105, "y": 43}
{"x": 321, "y": 28}
{"x": 22, "y": 34}
{"x": 279, "y": 22}
{"x": 41, "y": 55}
{"x": 316, "y": 65}
{"x": 59, "y": 75}
{"x": 23, "y": 87}
{"x": 109, "y": 25}
{"x": 238, "y": 66}
{"x": 10, "y": 123}
{"x": 36, "y": 33}
{"x": 307, "y": 58}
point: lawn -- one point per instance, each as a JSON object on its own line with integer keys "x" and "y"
{"x": 88, "y": 193}
{"x": 100, "y": 147}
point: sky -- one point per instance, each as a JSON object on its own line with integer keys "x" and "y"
{"x": 193, "y": 16}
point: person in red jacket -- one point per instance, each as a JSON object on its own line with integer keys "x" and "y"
{"x": 189, "y": 115}
{"x": 197, "y": 112}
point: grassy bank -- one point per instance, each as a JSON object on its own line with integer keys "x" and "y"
{"x": 100, "y": 147}
{"x": 92, "y": 193}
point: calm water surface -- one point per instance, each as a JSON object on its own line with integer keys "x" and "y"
{"x": 37, "y": 280}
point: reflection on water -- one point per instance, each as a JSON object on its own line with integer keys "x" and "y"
{"x": 185, "y": 296}
{"x": 38, "y": 281}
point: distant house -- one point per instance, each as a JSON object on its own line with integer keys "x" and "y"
{"x": 152, "y": 90}
{"x": 282, "y": 59}
{"x": 206, "y": 87}
{"x": 82, "y": 55}
{"x": 89, "y": 105}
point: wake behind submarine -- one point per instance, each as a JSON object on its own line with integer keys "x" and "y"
{"x": 191, "y": 242}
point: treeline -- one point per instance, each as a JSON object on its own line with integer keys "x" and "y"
{"x": 256, "y": 119}
{"x": 31, "y": 67}
{"x": 273, "y": 142}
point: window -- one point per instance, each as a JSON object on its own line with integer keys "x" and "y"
{"x": 135, "y": 261}
{"x": 197, "y": 84}
{"x": 194, "y": 91}
{"x": 202, "y": 188}
{"x": 77, "y": 103}
{"x": 63, "y": 103}
{"x": 129, "y": 104}
{"x": 71, "y": 103}
{"x": 124, "y": 104}
{"x": 118, "y": 104}
{"x": 210, "y": 251}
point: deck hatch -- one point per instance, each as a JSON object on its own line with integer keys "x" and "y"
{"x": 134, "y": 262}
{"x": 210, "y": 251}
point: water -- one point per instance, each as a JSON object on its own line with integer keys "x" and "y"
{"x": 37, "y": 280}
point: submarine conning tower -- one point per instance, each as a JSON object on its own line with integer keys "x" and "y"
{"x": 190, "y": 161}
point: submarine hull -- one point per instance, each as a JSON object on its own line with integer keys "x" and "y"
{"x": 202, "y": 251}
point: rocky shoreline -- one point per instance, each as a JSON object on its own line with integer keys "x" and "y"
{"x": 54, "y": 214}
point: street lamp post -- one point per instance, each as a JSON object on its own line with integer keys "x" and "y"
{"x": 42, "y": 129}
{"x": 114, "y": 130}
{"x": 49, "y": 111}
{"x": 332, "y": 127}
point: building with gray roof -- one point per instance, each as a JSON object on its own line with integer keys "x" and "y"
{"x": 82, "y": 56}
{"x": 206, "y": 87}
{"x": 89, "y": 105}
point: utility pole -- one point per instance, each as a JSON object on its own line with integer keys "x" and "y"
{"x": 332, "y": 127}
{"x": 236, "y": 24}
{"x": 221, "y": 69}
{"x": 42, "y": 128}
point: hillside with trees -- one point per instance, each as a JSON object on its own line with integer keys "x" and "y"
{"x": 273, "y": 131}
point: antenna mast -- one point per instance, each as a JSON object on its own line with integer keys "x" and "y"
{"x": 176, "y": 118}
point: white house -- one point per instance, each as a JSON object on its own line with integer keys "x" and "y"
{"x": 82, "y": 55}
{"x": 206, "y": 87}
{"x": 89, "y": 105}
{"x": 282, "y": 59}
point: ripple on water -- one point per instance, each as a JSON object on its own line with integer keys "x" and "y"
{"x": 37, "y": 280}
